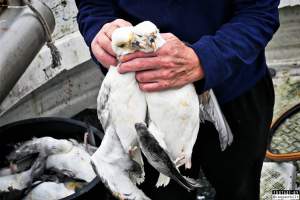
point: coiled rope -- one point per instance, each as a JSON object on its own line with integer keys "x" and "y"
{"x": 56, "y": 56}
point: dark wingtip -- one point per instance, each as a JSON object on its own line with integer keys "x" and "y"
{"x": 193, "y": 183}
{"x": 139, "y": 126}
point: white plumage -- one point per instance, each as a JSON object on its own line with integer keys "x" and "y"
{"x": 49, "y": 191}
{"x": 120, "y": 105}
{"x": 115, "y": 168}
{"x": 76, "y": 163}
{"x": 18, "y": 181}
{"x": 43, "y": 145}
{"x": 174, "y": 114}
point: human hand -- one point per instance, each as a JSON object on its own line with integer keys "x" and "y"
{"x": 172, "y": 66}
{"x": 101, "y": 44}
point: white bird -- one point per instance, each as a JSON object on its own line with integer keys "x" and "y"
{"x": 49, "y": 191}
{"x": 120, "y": 103}
{"x": 22, "y": 180}
{"x": 75, "y": 163}
{"x": 46, "y": 145}
{"x": 115, "y": 168}
{"x": 18, "y": 181}
{"x": 64, "y": 156}
{"x": 174, "y": 114}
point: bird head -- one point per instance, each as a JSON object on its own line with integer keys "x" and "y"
{"x": 142, "y": 37}
{"x": 147, "y": 37}
{"x": 122, "y": 41}
{"x": 141, "y": 129}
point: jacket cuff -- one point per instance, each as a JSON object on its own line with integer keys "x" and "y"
{"x": 214, "y": 70}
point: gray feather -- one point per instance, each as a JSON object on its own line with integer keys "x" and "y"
{"x": 211, "y": 111}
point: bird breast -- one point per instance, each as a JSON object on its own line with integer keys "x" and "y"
{"x": 176, "y": 114}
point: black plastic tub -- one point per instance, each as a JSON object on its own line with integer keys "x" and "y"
{"x": 59, "y": 128}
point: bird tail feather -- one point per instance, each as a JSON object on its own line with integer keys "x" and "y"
{"x": 188, "y": 183}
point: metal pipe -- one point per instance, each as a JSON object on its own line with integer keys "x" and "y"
{"x": 21, "y": 38}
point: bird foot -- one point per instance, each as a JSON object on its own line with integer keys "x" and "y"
{"x": 118, "y": 196}
{"x": 132, "y": 151}
{"x": 183, "y": 160}
{"x": 188, "y": 164}
{"x": 85, "y": 140}
{"x": 180, "y": 160}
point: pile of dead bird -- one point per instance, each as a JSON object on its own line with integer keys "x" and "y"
{"x": 46, "y": 169}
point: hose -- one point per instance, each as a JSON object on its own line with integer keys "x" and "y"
{"x": 276, "y": 123}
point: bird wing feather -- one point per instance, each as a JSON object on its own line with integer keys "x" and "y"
{"x": 211, "y": 111}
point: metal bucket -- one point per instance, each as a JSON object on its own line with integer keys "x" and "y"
{"x": 59, "y": 128}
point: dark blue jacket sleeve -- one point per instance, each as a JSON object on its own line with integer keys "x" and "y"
{"x": 237, "y": 42}
{"x": 93, "y": 15}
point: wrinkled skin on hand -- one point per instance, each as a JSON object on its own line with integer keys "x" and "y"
{"x": 172, "y": 66}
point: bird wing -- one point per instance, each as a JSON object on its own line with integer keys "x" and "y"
{"x": 76, "y": 161}
{"x": 121, "y": 104}
{"x": 46, "y": 145}
{"x": 112, "y": 164}
{"x": 211, "y": 111}
{"x": 49, "y": 191}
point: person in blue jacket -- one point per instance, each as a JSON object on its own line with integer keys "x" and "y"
{"x": 214, "y": 44}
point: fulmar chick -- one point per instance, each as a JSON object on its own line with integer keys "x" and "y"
{"x": 159, "y": 158}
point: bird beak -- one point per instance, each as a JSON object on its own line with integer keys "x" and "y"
{"x": 153, "y": 45}
{"x": 152, "y": 42}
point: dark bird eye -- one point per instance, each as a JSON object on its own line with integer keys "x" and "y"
{"x": 136, "y": 43}
{"x": 121, "y": 45}
{"x": 152, "y": 40}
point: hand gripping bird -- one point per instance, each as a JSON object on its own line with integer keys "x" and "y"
{"x": 119, "y": 111}
{"x": 174, "y": 115}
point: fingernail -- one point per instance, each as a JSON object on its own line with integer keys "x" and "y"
{"x": 122, "y": 59}
{"x": 120, "y": 69}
